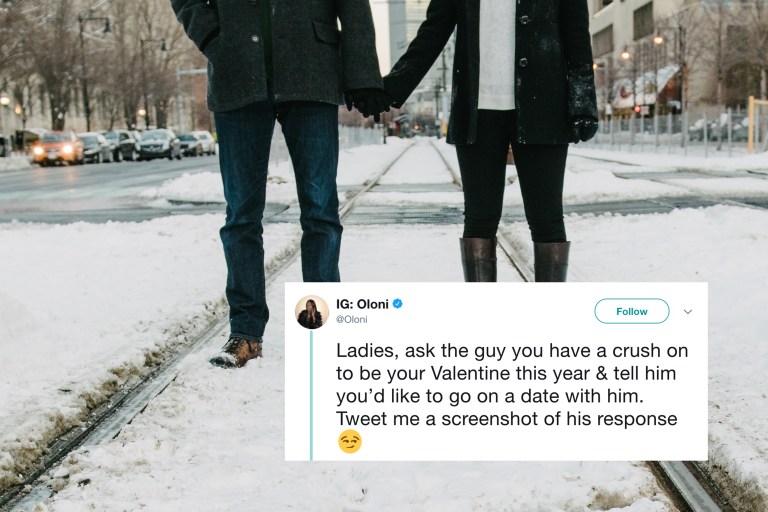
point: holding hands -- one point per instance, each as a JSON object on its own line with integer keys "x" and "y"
{"x": 370, "y": 102}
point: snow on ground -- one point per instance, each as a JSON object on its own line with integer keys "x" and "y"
{"x": 214, "y": 439}
{"x": 723, "y": 187}
{"x": 586, "y": 180}
{"x": 355, "y": 166}
{"x": 661, "y": 160}
{"x": 84, "y": 308}
{"x": 727, "y": 247}
{"x": 412, "y": 198}
{"x": 419, "y": 165}
{"x": 601, "y": 186}
{"x": 15, "y": 163}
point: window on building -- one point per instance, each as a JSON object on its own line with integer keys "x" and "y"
{"x": 643, "y": 21}
{"x": 602, "y": 42}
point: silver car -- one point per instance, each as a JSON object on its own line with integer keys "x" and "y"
{"x": 207, "y": 141}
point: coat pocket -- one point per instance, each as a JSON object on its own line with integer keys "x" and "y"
{"x": 326, "y": 32}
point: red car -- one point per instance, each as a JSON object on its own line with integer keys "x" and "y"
{"x": 55, "y": 147}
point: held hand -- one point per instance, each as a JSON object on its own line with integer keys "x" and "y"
{"x": 348, "y": 100}
{"x": 582, "y": 129}
{"x": 370, "y": 102}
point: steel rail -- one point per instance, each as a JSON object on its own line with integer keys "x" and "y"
{"x": 673, "y": 476}
{"x": 107, "y": 420}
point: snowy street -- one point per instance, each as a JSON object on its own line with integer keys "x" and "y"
{"x": 89, "y": 307}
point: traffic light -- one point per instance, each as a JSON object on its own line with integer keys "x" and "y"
{"x": 637, "y": 109}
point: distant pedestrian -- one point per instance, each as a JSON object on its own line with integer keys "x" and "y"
{"x": 282, "y": 60}
{"x": 522, "y": 74}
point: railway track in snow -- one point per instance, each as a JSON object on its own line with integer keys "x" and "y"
{"x": 689, "y": 487}
{"x": 107, "y": 420}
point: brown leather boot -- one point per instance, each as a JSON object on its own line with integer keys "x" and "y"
{"x": 236, "y": 352}
{"x": 551, "y": 261}
{"x": 478, "y": 258}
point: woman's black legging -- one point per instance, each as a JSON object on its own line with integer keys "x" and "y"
{"x": 540, "y": 170}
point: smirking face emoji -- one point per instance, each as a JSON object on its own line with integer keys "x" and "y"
{"x": 350, "y": 441}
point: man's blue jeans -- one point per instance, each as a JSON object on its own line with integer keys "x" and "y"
{"x": 244, "y": 136}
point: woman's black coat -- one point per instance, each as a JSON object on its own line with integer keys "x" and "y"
{"x": 304, "y": 320}
{"x": 554, "y": 80}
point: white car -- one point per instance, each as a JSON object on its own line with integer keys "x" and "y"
{"x": 207, "y": 141}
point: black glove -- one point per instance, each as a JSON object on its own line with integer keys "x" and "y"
{"x": 582, "y": 104}
{"x": 582, "y": 129}
{"x": 370, "y": 102}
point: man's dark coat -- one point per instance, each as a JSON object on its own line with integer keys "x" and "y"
{"x": 554, "y": 80}
{"x": 312, "y": 59}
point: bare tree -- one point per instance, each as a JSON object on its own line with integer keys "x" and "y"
{"x": 756, "y": 15}
{"x": 48, "y": 23}
{"x": 684, "y": 26}
{"x": 40, "y": 51}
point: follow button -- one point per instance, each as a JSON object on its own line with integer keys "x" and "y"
{"x": 632, "y": 311}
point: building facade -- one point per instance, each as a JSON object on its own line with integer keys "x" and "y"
{"x": 672, "y": 55}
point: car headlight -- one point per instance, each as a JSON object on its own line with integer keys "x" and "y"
{"x": 38, "y": 150}
{"x": 67, "y": 150}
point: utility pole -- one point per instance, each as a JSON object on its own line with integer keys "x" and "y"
{"x": 142, "y": 43}
{"x": 437, "y": 110}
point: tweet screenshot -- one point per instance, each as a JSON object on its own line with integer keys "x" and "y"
{"x": 495, "y": 371}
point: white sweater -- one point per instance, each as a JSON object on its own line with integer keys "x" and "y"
{"x": 497, "y": 54}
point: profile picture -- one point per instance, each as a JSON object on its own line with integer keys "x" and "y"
{"x": 311, "y": 312}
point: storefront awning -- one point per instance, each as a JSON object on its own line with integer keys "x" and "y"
{"x": 648, "y": 85}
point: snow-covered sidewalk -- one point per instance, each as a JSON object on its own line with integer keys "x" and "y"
{"x": 15, "y": 163}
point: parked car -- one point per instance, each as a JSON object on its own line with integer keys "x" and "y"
{"x": 207, "y": 140}
{"x": 190, "y": 144}
{"x": 159, "y": 143}
{"x": 739, "y": 127}
{"x": 58, "y": 147}
{"x": 96, "y": 148}
{"x": 696, "y": 130}
{"x": 124, "y": 145}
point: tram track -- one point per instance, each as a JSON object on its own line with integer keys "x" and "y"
{"x": 688, "y": 485}
{"x": 683, "y": 485}
{"x": 107, "y": 420}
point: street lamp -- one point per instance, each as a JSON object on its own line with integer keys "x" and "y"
{"x": 142, "y": 43}
{"x": 86, "y": 103}
{"x": 625, "y": 54}
{"x": 658, "y": 40}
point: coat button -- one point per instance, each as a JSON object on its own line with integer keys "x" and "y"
{"x": 255, "y": 39}
{"x": 523, "y": 62}
{"x": 524, "y": 20}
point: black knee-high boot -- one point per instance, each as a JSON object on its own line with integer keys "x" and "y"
{"x": 478, "y": 257}
{"x": 551, "y": 261}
